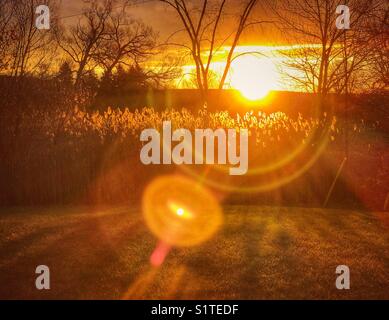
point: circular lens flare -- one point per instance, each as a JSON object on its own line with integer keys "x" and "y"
{"x": 181, "y": 212}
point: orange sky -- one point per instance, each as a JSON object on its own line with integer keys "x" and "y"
{"x": 247, "y": 73}
{"x": 162, "y": 18}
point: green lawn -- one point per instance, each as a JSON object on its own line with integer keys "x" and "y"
{"x": 260, "y": 253}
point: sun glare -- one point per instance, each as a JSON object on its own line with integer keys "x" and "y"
{"x": 253, "y": 76}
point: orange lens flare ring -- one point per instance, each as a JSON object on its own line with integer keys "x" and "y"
{"x": 181, "y": 212}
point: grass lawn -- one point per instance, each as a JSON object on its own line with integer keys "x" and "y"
{"x": 259, "y": 253}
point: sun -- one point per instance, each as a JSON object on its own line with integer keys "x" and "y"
{"x": 180, "y": 212}
{"x": 253, "y": 76}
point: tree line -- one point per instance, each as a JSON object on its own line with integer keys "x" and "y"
{"x": 103, "y": 40}
{"x": 106, "y": 40}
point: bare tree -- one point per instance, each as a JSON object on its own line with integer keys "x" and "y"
{"x": 126, "y": 42}
{"x": 163, "y": 70}
{"x": 361, "y": 48}
{"x": 378, "y": 33}
{"x": 106, "y": 37}
{"x": 6, "y": 10}
{"x": 204, "y": 22}
{"x": 324, "y": 58}
{"x": 82, "y": 42}
{"x": 23, "y": 47}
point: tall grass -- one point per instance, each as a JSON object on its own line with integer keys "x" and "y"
{"x": 55, "y": 156}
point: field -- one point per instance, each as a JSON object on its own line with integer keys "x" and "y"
{"x": 259, "y": 253}
{"x": 194, "y": 150}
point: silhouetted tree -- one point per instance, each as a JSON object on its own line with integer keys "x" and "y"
{"x": 126, "y": 42}
{"x": 27, "y": 49}
{"x": 324, "y": 58}
{"x": 65, "y": 74}
{"x": 83, "y": 40}
{"x": 123, "y": 81}
{"x": 202, "y": 22}
{"x": 6, "y": 10}
{"x": 378, "y": 33}
{"x": 105, "y": 37}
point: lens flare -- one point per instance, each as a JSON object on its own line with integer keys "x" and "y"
{"x": 181, "y": 212}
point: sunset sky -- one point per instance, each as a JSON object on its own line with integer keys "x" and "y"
{"x": 254, "y": 75}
